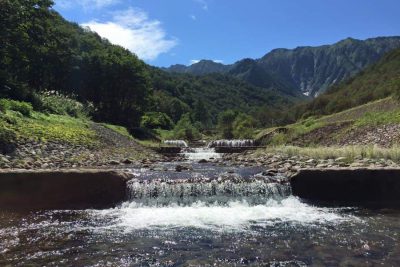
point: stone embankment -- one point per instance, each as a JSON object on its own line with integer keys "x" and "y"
{"x": 290, "y": 165}
{"x": 113, "y": 149}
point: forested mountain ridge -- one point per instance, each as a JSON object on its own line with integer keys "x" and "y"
{"x": 306, "y": 70}
{"x": 41, "y": 52}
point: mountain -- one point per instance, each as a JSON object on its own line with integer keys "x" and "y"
{"x": 178, "y": 93}
{"x": 306, "y": 70}
{"x": 41, "y": 53}
{"x": 377, "y": 81}
{"x": 202, "y": 67}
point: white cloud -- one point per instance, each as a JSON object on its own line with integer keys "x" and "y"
{"x": 86, "y": 4}
{"x": 203, "y": 4}
{"x": 134, "y": 30}
{"x": 194, "y": 61}
{"x": 193, "y": 17}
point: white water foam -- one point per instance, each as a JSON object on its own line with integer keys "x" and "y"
{"x": 178, "y": 143}
{"x": 197, "y": 154}
{"x": 234, "y": 215}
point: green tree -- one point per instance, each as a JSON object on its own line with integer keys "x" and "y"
{"x": 156, "y": 120}
{"x": 184, "y": 129}
{"x": 243, "y": 126}
{"x": 225, "y": 123}
{"x": 201, "y": 114}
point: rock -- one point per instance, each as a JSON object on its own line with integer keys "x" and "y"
{"x": 321, "y": 166}
{"x": 127, "y": 161}
{"x": 203, "y": 161}
{"x": 179, "y": 168}
{"x": 340, "y": 159}
{"x": 269, "y": 173}
{"x": 113, "y": 162}
{"x": 45, "y": 165}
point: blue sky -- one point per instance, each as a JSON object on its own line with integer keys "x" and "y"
{"x": 166, "y": 32}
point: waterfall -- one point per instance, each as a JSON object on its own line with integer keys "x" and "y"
{"x": 199, "y": 153}
{"x": 176, "y": 143}
{"x": 221, "y": 191}
{"x": 232, "y": 143}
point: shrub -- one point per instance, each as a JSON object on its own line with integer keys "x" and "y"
{"x": 4, "y": 105}
{"x": 156, "y": 120}
{"x": 55, "y": 103}
{"x": 243, "y": 126}
{"x": 7, "y": 140}
{"x": 184, "y": 129}
{"x": 22, "y": 107}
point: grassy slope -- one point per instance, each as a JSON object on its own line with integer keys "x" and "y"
{"x": 380, "y": 112}
{"x": 56, "y": 128}
{"x": 41, "y": 127}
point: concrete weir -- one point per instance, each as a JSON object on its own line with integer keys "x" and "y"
{"x": 348, "y": 185}
{"x": 61, "y": 189}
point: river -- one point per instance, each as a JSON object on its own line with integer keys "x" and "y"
{"x": 206, "y": 216}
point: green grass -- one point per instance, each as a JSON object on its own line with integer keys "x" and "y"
{"x": 296, "y": 130}
{"x": 350, "y": 153}
{"x": 41, "y": 127}
{"x": 380, "y": 112}
{"x": 378, "y": 118}
{"x": 149, "y": 143}
{"x": 383, "y": 105}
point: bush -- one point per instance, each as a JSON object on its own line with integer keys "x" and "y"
{"x": 7, "y": 140}
{"x": 55, "y": 103}
{"x": 184, "y": 129}
{"x": 156, "y": 120}
{"x": 243, "y": 126}
{"x": 225, "y": 123}
{"x": 4, "y": 105}
{"x": 22, "y": 107}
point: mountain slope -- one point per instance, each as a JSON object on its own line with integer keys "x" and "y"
{"x": 180, "y": 93}
{"x": 377, "y": 81}
{"x": 306, "y": 70}
{"x": 202, "y": 67}
{"x": 314, "y": 69}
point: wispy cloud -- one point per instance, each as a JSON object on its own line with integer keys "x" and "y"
{"x": 134, "y": 30}
{"x": 193, "y": 17}
{"x": 194, "y": 61}
{"x": 203, "y": 4}
{"x": 86, "y": 4}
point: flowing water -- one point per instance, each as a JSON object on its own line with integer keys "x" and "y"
{"x": 206, "y": 216}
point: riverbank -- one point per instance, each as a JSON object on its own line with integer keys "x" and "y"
{"x": 288, "y": 160}
{"x": 49, "y": 141}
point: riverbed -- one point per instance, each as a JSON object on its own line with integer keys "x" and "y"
{"x": 205, "y": 215}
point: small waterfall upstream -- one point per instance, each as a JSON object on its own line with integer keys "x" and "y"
{"x": 201, "y": 153}
{"x": 176, "y": 143}
{"x": 232, "y": 143}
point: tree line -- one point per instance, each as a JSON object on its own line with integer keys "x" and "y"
{"x": 41, "y": 52}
